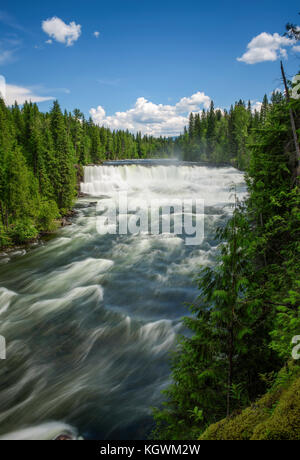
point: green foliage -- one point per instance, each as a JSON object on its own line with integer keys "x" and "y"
{"x": 247, "y": 312}
{"x": 197, "y": 414}
{"x": 48, "y": 212}
{"x": 219, "y": 137}
{"x": 41, "y": 158}
{"x": 39, "y": 152}
{"x": 237, "y": 392}
{"x": 23, "y": 231}
{"x": 275, "y": 416}
{"x": 5, "y": 239}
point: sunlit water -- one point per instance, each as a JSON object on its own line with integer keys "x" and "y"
{"x": 90, "y": 320}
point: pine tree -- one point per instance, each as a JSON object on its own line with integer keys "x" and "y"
{"x": 64, "y": 159}
{"x": 211, "y": 131}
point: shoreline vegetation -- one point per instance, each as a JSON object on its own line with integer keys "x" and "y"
{"x": 42, "y": 157}
{"x": 66, "y": 219}
{"x": 247, "y": 312}
{"x": 236, "y": 375}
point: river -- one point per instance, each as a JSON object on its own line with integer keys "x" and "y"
{"x": 89, "y": 319}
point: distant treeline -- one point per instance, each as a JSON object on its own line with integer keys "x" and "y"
{"x": 246, "y": 320}
{"x": 224, "y": 136}
{"x": 41, "y": 155}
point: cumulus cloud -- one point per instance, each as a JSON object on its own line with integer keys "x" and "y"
{"x": 266, "y": 47}
{"x": 57, "y": 29}
{"x": 256, "y": 106}
{"x": 190, "y": 104}
{"x": 21, "y": 94}
{"x": 153, "y": 119}
{"x": 96, "y": 34}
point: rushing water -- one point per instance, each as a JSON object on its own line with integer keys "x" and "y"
{"x": 89, "y": 320}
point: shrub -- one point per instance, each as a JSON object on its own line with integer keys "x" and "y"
{"x": 47, "y": 213}
{"x": 4, "y": 237}
{"x": 24, "y": 231}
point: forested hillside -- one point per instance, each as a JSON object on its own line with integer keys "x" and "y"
{"x": 247, "y": 312}
{"x": 224, "y": 136}
{"x": 40, "y": 156}
{"x": 42, "y": 153}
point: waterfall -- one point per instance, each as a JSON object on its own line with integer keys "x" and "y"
{"x": 210, "y": 183}
{"x": 89, "y": 319}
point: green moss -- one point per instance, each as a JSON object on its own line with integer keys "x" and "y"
{"x": 284, "y": 423}
{"x": 275, "y": 416}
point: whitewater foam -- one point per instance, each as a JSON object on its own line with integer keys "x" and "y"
{"x": 46, "y": 431}
{"x": 90, "y": 319}
{"x": 207, "y": 182}
{"x": 5, "y": 298}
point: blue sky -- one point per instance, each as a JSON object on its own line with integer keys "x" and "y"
{"x": 149, "y": 59}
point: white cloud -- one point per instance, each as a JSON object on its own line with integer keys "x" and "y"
{"x": 266, "y": 47}
{"x": 21, "y": 94}
{"x": 62, "y": 32}
{"x": 190, "y": 104}
{"x": 220, "y": 110}
{"x": 153, "y": 119}
{"x": 256, "y": 106}
{"x": 296, "y": 48}
{"x": 49, "y": 42}
{"x": 96, "y": 34}
{"x": 2, "y": 87}
{"x": 276, "y": 90}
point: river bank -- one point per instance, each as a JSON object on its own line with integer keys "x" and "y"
{"x": 66, "y": 219}
{"x": 90, "y": 319}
